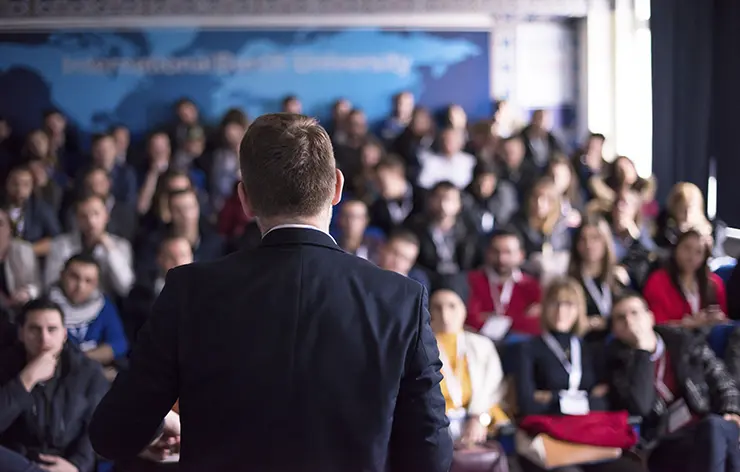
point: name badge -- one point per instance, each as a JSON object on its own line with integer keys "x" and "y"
{"x": 679, "y": 415}
{"x": 457, "y": 418}
{"x": 496, "y": 327}
{"x": 574, "y": 402}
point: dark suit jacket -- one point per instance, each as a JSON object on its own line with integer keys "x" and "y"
{"x": 292, "y": 357}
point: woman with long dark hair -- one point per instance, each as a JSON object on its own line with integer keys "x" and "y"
{"x": 686, "y": 292}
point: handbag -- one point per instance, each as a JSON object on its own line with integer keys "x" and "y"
{"x": 548, "y": 453}
{"x": 487, "y": 457}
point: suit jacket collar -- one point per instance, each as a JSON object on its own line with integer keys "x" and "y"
{"x": 286, "y": 236}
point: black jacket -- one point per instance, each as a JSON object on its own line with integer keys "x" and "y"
{"x": 52, "y": 418}
{"x": 293, "y": 356}
{"x": 702, "y": 378}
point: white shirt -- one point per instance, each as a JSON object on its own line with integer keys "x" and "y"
{"x": 436, "y": 168}
{"x": 297, "y": 226}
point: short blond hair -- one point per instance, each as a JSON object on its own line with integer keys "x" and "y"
{"x": 565, "y": 288}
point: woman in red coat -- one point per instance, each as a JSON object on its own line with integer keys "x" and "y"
{"x": 686, "y": 292}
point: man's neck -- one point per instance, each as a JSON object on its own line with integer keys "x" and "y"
{"x": 502, "y": 274}
{"x": 592, "y": 269}
{"x": 318, "y": 222}
{"x": 445, "y": 223}
{"x": 90, "y": 240}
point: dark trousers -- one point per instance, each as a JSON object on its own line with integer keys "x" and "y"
{"x": 710, "y": 445}
{"x": 11, "y": 461}
{"x": 623, "y": 464}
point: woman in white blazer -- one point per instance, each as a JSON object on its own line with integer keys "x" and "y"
{"x": 473, "y": 378}
{"x": 19, "y": 276}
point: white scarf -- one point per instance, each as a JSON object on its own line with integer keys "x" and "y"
{"x": 76, "y": 315}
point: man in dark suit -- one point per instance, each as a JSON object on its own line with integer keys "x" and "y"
{"x": 295, "y": 356}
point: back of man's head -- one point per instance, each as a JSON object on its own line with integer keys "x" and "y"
{"x": 288, "y": 166}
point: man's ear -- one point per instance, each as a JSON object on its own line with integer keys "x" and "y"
{"x": 244, "y": 200}
{"x": 338, "y": 187}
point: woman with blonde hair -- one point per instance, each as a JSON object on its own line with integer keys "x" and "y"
{"x": 685, "y": 210}
{"x": 473, "y": 378}
{"x": 557, "y": 374}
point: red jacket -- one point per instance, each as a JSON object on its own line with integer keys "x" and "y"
{"x": 598, "y": 428}
{"x": 668, "y": 304}
{"x": 526, "y": 293}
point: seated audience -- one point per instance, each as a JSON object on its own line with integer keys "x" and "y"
{"x": 48, "y": 392}
{"x": 403, "y": 109}
{"x": 447, "y": 245}
{"x": 685, "y": 210}
{"x": 364, "y": 187}
{"x": 448, "y": 164}
{"x": 44, "y": 186}
{"x": 560, "y": 170}
{"x": 621, "y": 176}
{"x": 473, "y": 384}
{"x": 184, "y": 212}
{"x": 541, "y": 223}
{"x": 174, "y": 251}
{"x": 557, "y": 373}
{"x": 353, "y": 236}
{"x": 90, "y": 318}
{"x": 688, "y": 403}
{"x": 484, "y": 141}
{"x": 417, "y": 138}
{"x": 593, "y": 265}
{"x": 399, "y": 254}
{"x": 157, "y": 162}
{"x": 348, "y": 153}
{"x": 502, "y": 298}
{"x": 540, "y": 143}
{"x": 19, "y": 272}
{"x": 488, "y": 201}
{"x": 633, "y": 246}
{"x": 112, "y": 253}
{"x": 590, "y": 164}
{"x": 32, "y": 219}
{"x": 397, "y": 198}
{"x": 224, "y": 166}
{"x": 123, "y": 177}
{"x": 686, "y": 292}
{"x": 515, "y": 169}
{"x": 122, "y": 218}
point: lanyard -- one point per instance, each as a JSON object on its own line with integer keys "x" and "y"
{"x": 660, "y": 386}
{"x": 602, "y": 298}
{"x": 501, "y": 298}
{"x": 454, "y": 384}
{"x": 573, "y": 366}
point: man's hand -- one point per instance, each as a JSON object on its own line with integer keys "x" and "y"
{"x": 106, "y": 241}
{"x": 543, "y": 396}
{"x": 474, "y": 433}
{"x": 40, "y": 369}
{"x": 56, "y": 464}
{"x": 20, "y": 297}
{"x": 733, "y": 418}
{"x": 600, "y": 390}
{"x": 597, "y": 323}
{"x": 168, "y": 442}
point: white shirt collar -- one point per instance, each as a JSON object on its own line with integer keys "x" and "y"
{"x": 297, "y": 226}
{"x": 659, "y": 349}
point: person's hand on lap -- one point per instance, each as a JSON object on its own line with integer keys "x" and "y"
{"x": 56, "y": 464}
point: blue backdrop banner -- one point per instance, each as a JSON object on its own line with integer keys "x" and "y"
{"x": 98, "y": 78}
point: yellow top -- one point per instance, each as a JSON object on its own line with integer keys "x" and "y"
{"x": 447, "y": 343}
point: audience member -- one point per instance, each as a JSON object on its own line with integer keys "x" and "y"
{"x": 353, "y": 236}
{"x": 590, "y": 164}
{"x": 515, "y": 169}
{"x": 397, "y": 198}
{"x": 473, "y": 384}
{"x": 399, "y": 254}
{"x": 561, "y": 171}
{"x": 689, "y": 404}
{"x": 90, "y": 318}
{"x": 32, "y": 219}
{"x": 403, "y": 109}
{"x": 448, "y": 164}
{"x": 502, "y": 298}
{"x": 48, "y": 392}
{"x": 539, "y": 141}
{"x": 633, "y": 246}
{"x": 123, "y": 177}
{"x": 112, "y": 253}
{"x": 488, "y": 201}
{"x": 19, "y": 272}
{"x": 686, "y": 292}
{"x": 417, "y": 138}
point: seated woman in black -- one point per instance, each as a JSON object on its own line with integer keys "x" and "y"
{"x": 557, "y": 374}
{"x": 594, "y": 266}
